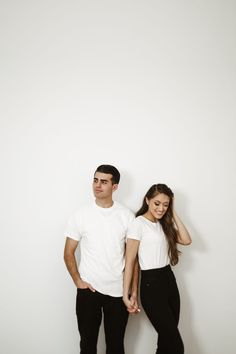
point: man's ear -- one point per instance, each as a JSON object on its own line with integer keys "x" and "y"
{"x": 114, "y": 187}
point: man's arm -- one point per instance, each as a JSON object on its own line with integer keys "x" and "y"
{"x": 70, "y": 261}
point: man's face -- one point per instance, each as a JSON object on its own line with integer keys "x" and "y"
{"x": 102, "y": 185}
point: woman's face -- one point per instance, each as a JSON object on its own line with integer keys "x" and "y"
{"x": 157, "y": 206}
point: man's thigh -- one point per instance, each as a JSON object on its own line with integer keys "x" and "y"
{"x": 89, "y": 315}
{"x": 115, "y": 321}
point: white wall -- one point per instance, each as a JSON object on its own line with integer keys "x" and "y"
{"x": 148, "y": 86}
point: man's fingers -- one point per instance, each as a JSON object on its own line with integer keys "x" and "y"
{"x": 91, "y": 288}
{"x": 131, "y": 301}
{"x": 130, "y": 310}
{"x": 133, "y": 311}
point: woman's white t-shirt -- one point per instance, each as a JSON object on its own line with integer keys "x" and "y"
{"x": 153, "y": 247}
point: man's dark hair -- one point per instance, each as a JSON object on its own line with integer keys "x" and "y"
{"x": 109, "y": 169}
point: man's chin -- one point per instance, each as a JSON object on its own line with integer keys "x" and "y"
{"x": 99, "y": 195}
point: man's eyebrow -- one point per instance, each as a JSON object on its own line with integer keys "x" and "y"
{"x": 102, "y": 180}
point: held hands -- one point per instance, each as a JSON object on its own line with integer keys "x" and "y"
{"x": 132, "y": 304}
{"x": 84, "y": 285}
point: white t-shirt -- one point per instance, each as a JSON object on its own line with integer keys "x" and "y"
{"x": 153, "y": 247}
{"x": 101, "y": 233}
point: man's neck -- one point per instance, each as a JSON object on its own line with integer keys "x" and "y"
{"x": 104, "y": 203}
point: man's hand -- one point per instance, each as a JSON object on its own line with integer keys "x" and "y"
{"x": 84, "y": 285}
{"x": 132, "y": 304}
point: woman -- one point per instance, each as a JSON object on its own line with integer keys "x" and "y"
{"x": 154, "y": 235}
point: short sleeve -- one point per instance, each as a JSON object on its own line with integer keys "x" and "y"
{"x": 135, "y": 230}
{"x": 72, "y": 228}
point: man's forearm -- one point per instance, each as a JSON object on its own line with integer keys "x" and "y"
{"x": 71, "y": 265}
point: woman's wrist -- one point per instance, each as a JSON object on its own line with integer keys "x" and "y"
{"x": 134, "y": 292}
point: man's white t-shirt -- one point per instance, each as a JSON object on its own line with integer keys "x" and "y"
{"x": 153, "y": 247}
{"x": 101, "y": 233}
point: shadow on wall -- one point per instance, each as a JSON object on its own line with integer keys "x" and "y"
{"x": 186, "y": 265}
{"x": 140, "y": 336}
{"x": 125, "y": 193}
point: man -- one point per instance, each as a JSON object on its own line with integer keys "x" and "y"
{"x": 100, "y": 230}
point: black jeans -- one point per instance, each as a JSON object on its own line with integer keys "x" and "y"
{"x": 89, "y": 308}
{"x": 161, "y": 302}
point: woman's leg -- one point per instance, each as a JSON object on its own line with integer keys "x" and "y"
{"x": 160, "y": 300}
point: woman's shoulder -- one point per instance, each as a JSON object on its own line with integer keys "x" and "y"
{"x": 138, "y": 222}
{"x": 139, "y": 218}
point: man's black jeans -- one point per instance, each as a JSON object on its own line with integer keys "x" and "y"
{"x": 89, "y": 308}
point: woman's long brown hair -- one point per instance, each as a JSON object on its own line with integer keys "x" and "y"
{"x": 166, "y": 221}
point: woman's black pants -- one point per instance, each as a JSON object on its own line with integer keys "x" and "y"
{"x": 161, "y": 302}
{"x": 90, "y": 307}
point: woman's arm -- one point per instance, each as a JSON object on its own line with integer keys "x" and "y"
{"x": 134, "y": 288}
{"x": 131, "y": 272}
{"x": 183, "y": 234}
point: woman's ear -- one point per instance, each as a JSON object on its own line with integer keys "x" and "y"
{"x": 147, "y": 201}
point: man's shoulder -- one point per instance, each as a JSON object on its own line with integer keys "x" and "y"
{"x": 82, "y": 210}
{"x": 123, "y": 209}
